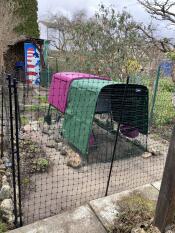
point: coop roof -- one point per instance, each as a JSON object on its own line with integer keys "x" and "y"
{"x": 22, "y": 39}
{"x": 59, "y": 89}
{"x": 81, "y": 107}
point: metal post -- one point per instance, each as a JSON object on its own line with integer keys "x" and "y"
{"x": 117, "y": 135}
{"x": 127, "y": 80}
{"x": 17, "y": 147}
{"x": 48, "y": 76}
{"x": 56, "y": 64}
{"x": 154, "y": 95}
{"x": 12, "y": 148}
{"x": 2, "y": 121}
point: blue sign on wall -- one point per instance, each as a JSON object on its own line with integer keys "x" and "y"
{"x": 167, "y": 68}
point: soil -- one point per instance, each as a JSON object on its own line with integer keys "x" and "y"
{"x": 30, "y": 154}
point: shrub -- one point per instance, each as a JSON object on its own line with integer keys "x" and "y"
{"x": 41, "y": 164}
{"x": 42, "y": 99}
{"x": 166, "y": 85}
{"x": 3, "y": 227}
{"x": 24, "y": 120}
{"x": 26, "y": 181}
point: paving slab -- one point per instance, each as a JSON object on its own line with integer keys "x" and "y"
{"x": 157, "y": 185}
{"x": 79, "y": 220}
{"x": 107, "y": 209}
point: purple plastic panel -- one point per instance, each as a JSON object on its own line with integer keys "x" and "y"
{"x": 59, "y": 88}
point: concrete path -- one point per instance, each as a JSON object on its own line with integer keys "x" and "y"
{"x": 96, "y": 217}
{"x": 80, "y": 220}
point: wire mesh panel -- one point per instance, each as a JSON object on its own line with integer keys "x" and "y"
{"x": 164, "y": 108}
{"x": 9, "y": 151}
{"x": 67, "y": 143}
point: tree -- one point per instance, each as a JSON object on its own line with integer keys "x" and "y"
{"x": 104, "y": 44}
{"x": 160, "y": 9}
{"x": 27, "y": 10}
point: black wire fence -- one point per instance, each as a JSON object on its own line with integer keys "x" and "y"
{"x": 82, "y": 138}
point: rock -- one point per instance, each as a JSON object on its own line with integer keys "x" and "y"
{"x": 170, "y": 229}
{"x": 5, "y": 155}
{"x": 1, "y": 161}
{"x": 146, "y": 155}
{"x": 145, "y": 227}
{"x": 63, "y": 151}
{"x": 8, "y": 173}
{"x": 51, "y": 144}
{"x": 5, "y": 191}
{"x": 5, "y": 158}
{"x": 138, "y": 230}
{"x": 22, "y": 136}
{"x": 74, "y": 159}
{"x": 60, "y": 123}
{"x": 45, "y": 129}
{"x": 4, "y": 180}
{"x": 58, "y": 138}
{"x": 2, "y": 172}
{"x": 32, "y": 126}
{"x": 27, "y": 128}
{"x": 8, "y": 163}
{"x": 2, "y": 167}
{"x": 7, "y": 210}
{"x": 59, "y": 146}
{"x": 157, "y": 146}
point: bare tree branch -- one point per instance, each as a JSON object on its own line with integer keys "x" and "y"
{"x": 162, "y": 9}
{"x": 163, "y": 45}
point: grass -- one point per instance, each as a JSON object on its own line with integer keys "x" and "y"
{"x": 164, "y": 112}
{"x": 42, "y": 99}
{"x": 164, "y": 109}
{"x": 36, "y": 107}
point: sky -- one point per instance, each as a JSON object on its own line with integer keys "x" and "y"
{"x": 68, "y": 7}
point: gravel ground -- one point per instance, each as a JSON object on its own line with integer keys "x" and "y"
{"x": 63, "y": 187}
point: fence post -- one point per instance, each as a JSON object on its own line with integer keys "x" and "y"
{"x": 17, "y": 147}
{"x": 117, "y": 136}
{"x": 2, "y": 121}
{"x": 155, "y": 89}
{"x": 12, "y": 148}
{"x": 165, "y": 209}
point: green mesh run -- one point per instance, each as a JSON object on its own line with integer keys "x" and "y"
{"x": 82, "y": 103}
